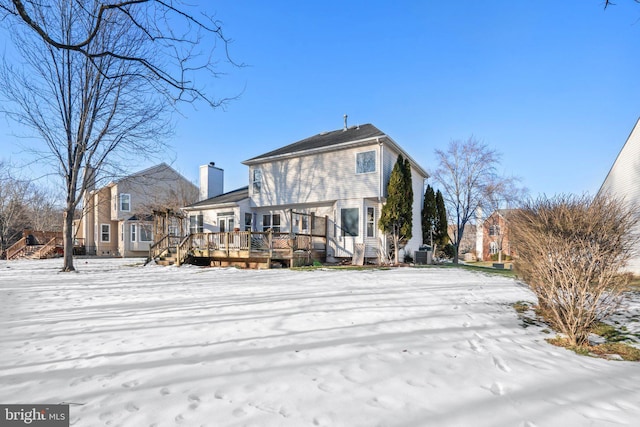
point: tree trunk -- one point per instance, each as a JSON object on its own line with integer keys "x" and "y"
{"x": 67, "y": 237}
{"x": 396, "y": 247}
{"x": 456, "y": 258}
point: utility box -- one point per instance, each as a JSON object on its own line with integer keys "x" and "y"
{"x": 423, "y": 257}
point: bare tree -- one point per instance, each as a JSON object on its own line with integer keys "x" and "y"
{"x": 571, "y": 252}
{"x": 100, "y": 80}
{"x": 13, "y": 207}
{"x": 467, "y": 171}
{"x": 44, "y": 210}
{"x": 610, "y": 3}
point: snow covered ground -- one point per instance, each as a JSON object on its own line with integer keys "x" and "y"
{"x": 128, "y": 345}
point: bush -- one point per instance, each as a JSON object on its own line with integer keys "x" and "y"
{"x": 449, "y": 251}
{"x": 494, "y": 257}
{"x": 571, "y": 251}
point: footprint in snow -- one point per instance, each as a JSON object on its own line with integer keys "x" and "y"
{"x": 501, "y": 364}
{"x": 239, "y": 412}
{"x": 165, "y": 391}
{"x": 497, "y": 389}
{"x": 385, "y": 402}
{"x": 195, "y": 402}
{"x": 130, "y": 384}
{"x": 330, "y": 387}
{"x": 132, "y": 407}
{"x": 475, "y": 346}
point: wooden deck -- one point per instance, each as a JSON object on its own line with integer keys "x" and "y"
{"x": 249, "y": 249}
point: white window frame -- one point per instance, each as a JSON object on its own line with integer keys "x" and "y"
{"x": 134, "y": 232}
{"x": 248, "y": 225}
{"x": 143, "y": 231}
{"x": 268, "y": 222}
{"x": 371, "y": 221}
{"x": 363, "y": 165}
{"x": 256, "y": 180}
{"x": 121, "y": 203}
{"x": 108, "y": 233}
{"x": 196, "y": 223}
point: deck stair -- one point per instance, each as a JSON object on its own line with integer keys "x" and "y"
{"x": 168, "y": 258}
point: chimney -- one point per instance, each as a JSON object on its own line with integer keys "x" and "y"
{"x": 211, "y": 181}
{"x": 345, "y": 123}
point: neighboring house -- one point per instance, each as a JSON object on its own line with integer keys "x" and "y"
{"x": 623, "y": 180}
{"x": 495, "y": 236}
{"x": 339, "y": 178}
{"x": 117, "y": 219}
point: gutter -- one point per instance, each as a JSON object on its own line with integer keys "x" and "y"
{"x": 314, "y": 150}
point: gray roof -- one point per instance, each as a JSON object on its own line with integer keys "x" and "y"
{"x": 326, "y": 139}
{"x": 229, "y": 197}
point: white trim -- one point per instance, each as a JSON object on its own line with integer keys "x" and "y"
{"x": 366, "y": 222}
{"x": 375, "y": 168}
{"x": 120, "y": 197}
{"x": 108, "y": 233}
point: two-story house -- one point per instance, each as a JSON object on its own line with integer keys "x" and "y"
{"x": 117, "y": 219}
{"x": 340, "y": 176}
{"x": 496, "y": 245}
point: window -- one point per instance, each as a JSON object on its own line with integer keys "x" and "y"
{"x": 349, "y": 218}
{"x": 257, "y": 181}
{"x": 226, "y": 224}
{"x": 371, "y": 222}
{"x": 125, "y": 202}
{"x": 366, "y": 162}
{"x": 134, "y": 230}
{"x": 105, "y": 232}
{"x": 196, "y": 223}
{"x": 271, "y": 222}
{"x": 122, "y": 232}
{"x": 494, "y": 230}
{"x": 248, "y": 220}
{"x": 146, "y": 235}
{"x": 493, "y": 248}
{"x": 173, "y": 230}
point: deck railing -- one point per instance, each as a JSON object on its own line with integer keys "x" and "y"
{"x": 163, "y": 246}
{"x": 253, "y": 241}
{"x": 48, "y": 248}
{"x": 16, "y": 248}
{"x": 233, "y": 244}
{"x": 183, "y": 249}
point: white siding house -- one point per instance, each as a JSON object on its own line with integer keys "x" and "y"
{"x": 339, "y": 176}
{"x": 623, "y": 180}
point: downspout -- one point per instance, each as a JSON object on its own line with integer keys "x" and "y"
{"x": 380, "y": 169}
{"x": 383, "y": 238}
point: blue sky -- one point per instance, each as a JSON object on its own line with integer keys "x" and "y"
{"x": 552, "y": 85}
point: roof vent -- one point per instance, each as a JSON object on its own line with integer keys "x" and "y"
{"x": 345, "y": 123}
